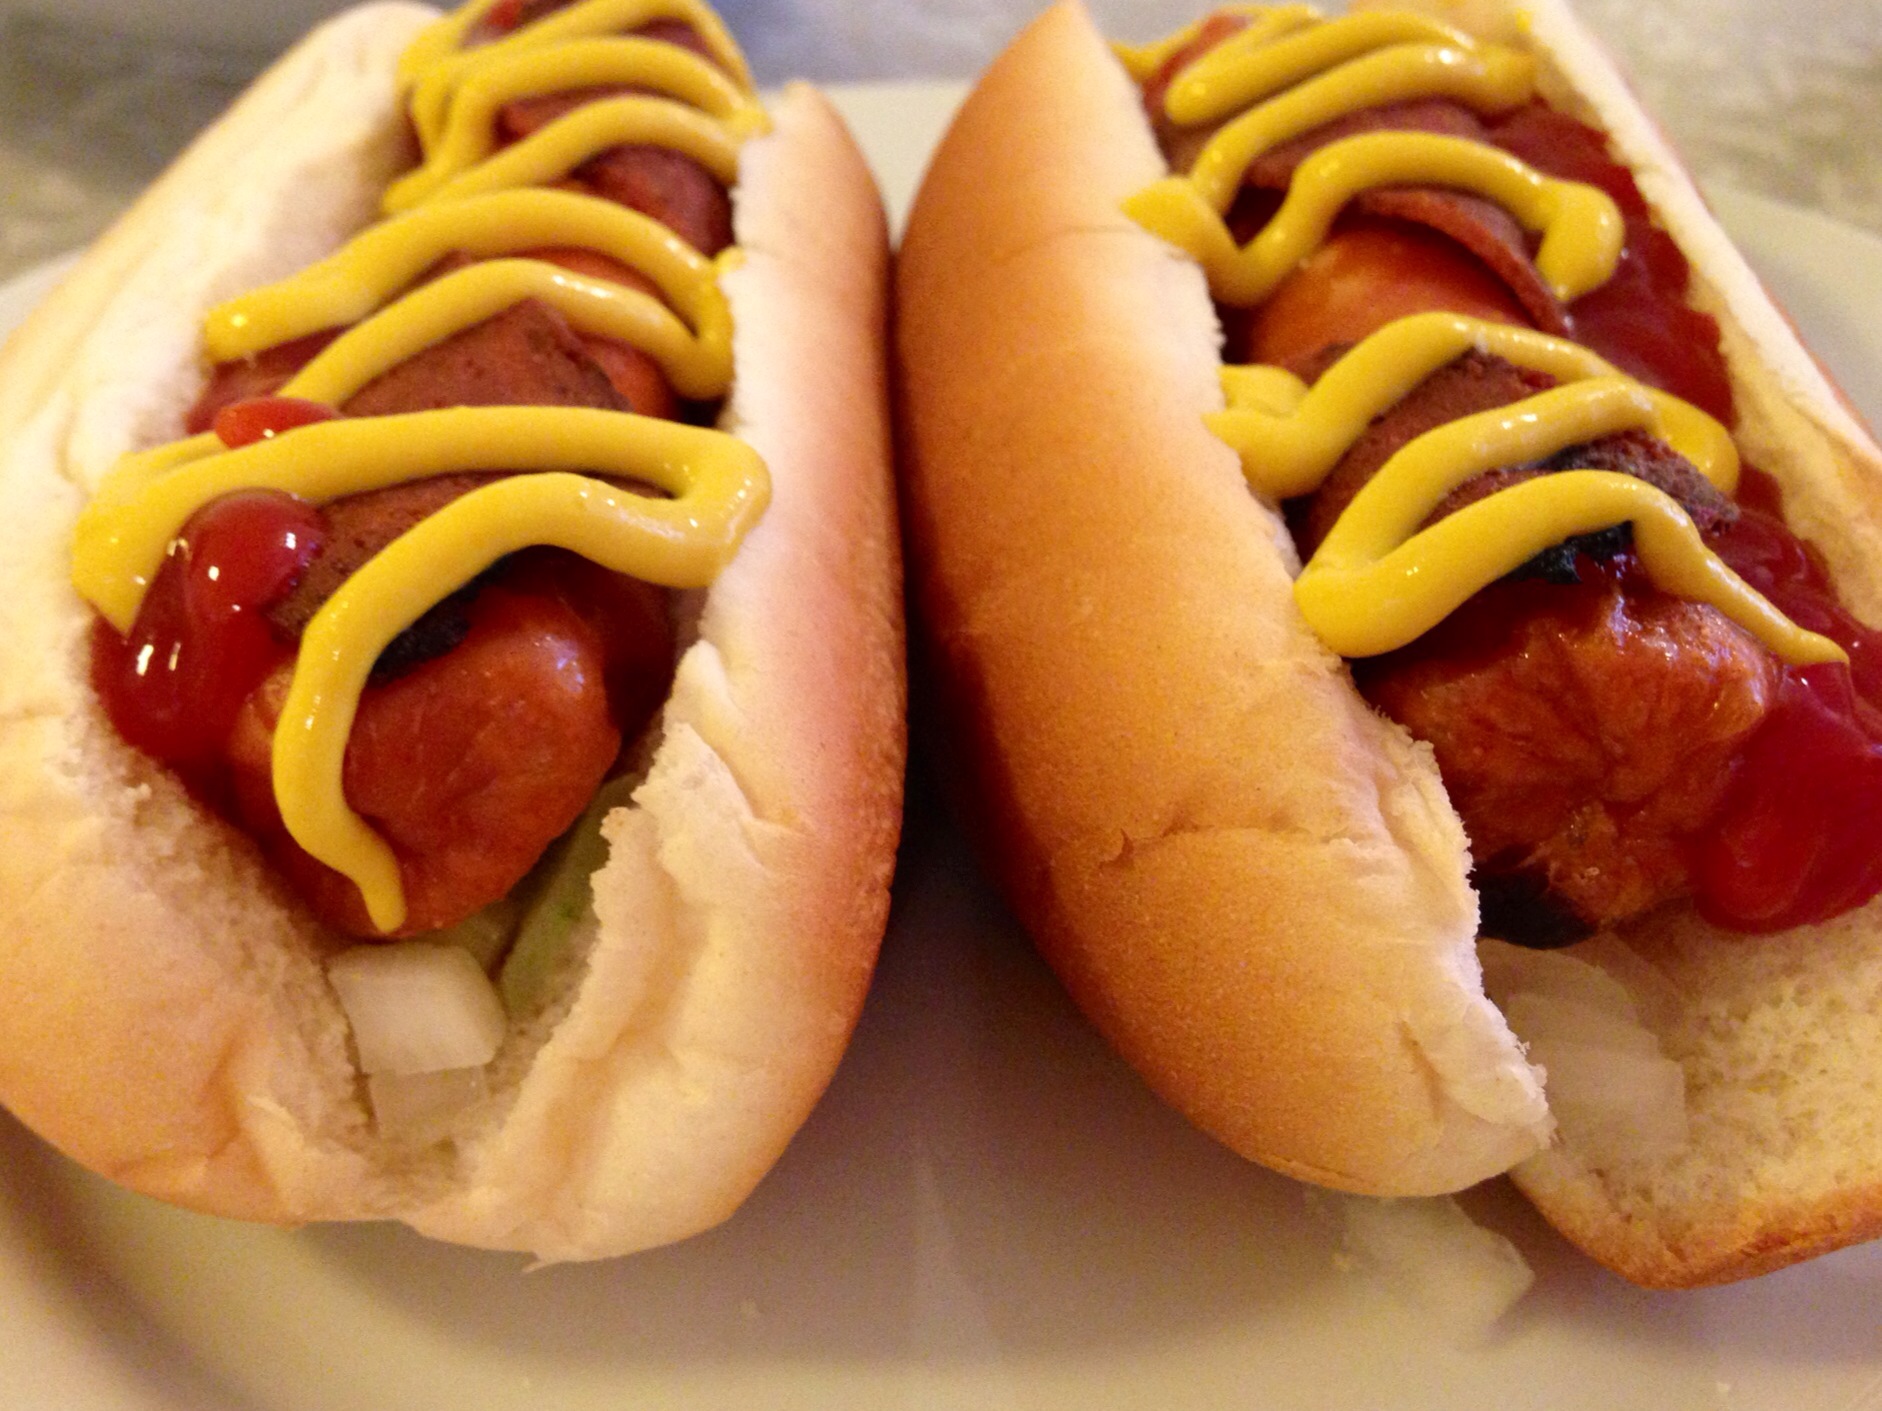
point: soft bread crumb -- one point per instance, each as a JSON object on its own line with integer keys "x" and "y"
{"x": 1775, "y": 1036}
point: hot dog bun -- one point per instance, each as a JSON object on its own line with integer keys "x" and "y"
{"x": 1251, "y": 882}
{"x": 167, "y": 1020}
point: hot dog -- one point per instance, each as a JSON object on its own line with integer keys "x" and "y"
{"x": 453, "y": 549}
{"x": 1230, "y": 713}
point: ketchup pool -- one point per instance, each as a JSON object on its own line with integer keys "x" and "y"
{"x": 1798, "y": 837}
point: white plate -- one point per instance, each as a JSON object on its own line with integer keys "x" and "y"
{"x": 987, "y": 1211}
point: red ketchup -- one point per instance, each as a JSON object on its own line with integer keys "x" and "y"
{"x": 504, "y": 14}
{"x": 1799, "y": 836}
{"x": 202, "y": 641}
{"x": 260, "y": 418}
{"x": 1639, "y": 319}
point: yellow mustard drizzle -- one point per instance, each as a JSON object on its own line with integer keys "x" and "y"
{"x": 1290, "y": 435}
{"x": 437, "y": 61}
{"x": 469, "y": 134}
{"x": 1379, "y": 581}
{"x": 1580, "y": 226}
{"x": 1141, "y": 61}
{"x": 612, "y": 527}
{"x": 717, "y": 482}
{"x": 1380, "y": 45}
{"x": 716, "y": 486}
{"x": 389, "y": 257}
{"x": 553, "y": 151}
{"x": 468, "y": 296}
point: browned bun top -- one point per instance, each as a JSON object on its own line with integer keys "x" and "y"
{"x": 164, "y": 1012}
{"x": 1251, "y": 883}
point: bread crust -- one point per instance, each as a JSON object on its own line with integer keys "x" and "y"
{"x": 166, "y": 1019}
{"x": 1252, "y": 883}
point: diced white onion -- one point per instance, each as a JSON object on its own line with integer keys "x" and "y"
{"x": 1431, "y": 1255}
{"x": 1508, "y": 969}
{"x": 1546, "y": 1020}
{"x": 416, "y": 1007}
{"x": 1614, "y": 1093}
{"x": 1612, "y": 1103}
{"x": 1657, "y": 999}
{"x": 420, "y": 1107}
